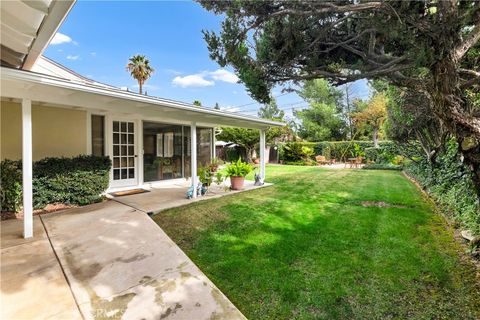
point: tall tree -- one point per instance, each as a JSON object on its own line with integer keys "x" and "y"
{"x": 271, "y": 111}
{"x": 322, "y": 120}
{"x": 374, "y": 115}
{"x": 216, "y": 107}
{"x": 427, "y": 46}
{"x": 140, "y": 69}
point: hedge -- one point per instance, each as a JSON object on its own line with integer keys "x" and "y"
{"x": 80, "y": 180}
{"x": 339, "y": 150}
{"x": 449, "y": 182}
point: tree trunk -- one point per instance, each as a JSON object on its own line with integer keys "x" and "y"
{"x": 375, "y": 137}
{"x": 248, "y": 152}
{"x": 449, "y": 102}
{"x": 140, "y": 87}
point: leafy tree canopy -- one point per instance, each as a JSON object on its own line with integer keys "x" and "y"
{"x": 271, "y": 111}
{"x": 322, "y": 119}
{"x": 427, "y": 46}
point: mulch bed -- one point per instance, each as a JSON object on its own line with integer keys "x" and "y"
{"x": 7, "y": 215}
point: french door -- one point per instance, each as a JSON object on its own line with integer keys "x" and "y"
{"x": 124, "y": 153}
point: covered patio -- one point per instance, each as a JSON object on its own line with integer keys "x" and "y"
{"x": 36, "y": 91}
{"x": 160, "y": 198}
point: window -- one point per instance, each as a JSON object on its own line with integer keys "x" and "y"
{"x": 98, "y": 135}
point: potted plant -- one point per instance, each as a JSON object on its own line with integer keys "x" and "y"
{"x": 237, "y": 172}
{"x": 214, "y": 164}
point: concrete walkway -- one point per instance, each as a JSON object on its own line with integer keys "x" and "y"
{"x": 121, "y": 265}
{"x": 32, "y": 283}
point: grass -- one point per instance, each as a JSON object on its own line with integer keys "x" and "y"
{"x": 306, "y": 248}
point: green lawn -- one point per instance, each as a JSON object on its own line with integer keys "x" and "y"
{"x": 306, "y": 248}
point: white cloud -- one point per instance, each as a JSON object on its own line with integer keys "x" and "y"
{"x": 205, "y": 78}
{"x": 60, "y": 38}
{"x": 224, "y": 75}
{"x": 71, "y": 57}
{"x": 93, "y": 54}
{"x": 193, "y": 80}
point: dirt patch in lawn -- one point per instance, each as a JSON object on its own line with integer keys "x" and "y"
{"x": 382, "y": 204}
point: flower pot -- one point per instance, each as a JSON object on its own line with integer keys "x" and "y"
{"x": 236, "y": 183}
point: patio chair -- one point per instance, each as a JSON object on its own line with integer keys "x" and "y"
{"x": 358, "y": 162}
{"x": 321, "y": 160}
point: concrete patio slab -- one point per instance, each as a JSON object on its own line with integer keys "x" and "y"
{"x": 169, "y": 196}
{"x": 120, "y": 264}
{"x": 32, "y": 283}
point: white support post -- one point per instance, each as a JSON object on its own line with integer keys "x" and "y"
{"x": 262, "y": 154}
{"x": 27, "y": 168}
{"x": 193, "y": 154}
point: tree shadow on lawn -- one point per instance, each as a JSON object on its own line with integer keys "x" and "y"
{"x": 281, "y": 253}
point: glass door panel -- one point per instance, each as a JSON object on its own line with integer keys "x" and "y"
{"x": 123, "y": 153}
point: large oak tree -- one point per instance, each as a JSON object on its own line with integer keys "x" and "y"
{"x": 427, "y": 46}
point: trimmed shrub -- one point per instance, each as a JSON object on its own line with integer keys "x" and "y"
{"x": 381, "y": 166}
{"x": 79, "y": 180}
{"x": 339, "y": 150}
{"x": 10, "y": 185}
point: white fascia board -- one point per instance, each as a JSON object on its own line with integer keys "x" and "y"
{"x": 45, "y": 80}
{"x": 58, "y": 11}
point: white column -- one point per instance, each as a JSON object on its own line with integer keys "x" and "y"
{"x": 262, "y": 154}
{"x": 27, "y": 168}
{"x": 214, "y": 149}
{"x": 193, "y": 154}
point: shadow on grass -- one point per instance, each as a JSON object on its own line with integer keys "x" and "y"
{"x": 303, "y": 249}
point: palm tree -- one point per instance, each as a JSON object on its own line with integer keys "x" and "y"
{"x": 140, "y": 69}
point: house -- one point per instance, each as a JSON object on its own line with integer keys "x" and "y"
{"x": 48, "y": 110}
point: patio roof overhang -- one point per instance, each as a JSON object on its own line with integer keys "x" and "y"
{"x": 28, "y": 27}
{"x": 40, "y": 88}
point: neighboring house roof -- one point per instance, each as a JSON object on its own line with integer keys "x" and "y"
{"x": 49, "y": 67}
{"x": 27, "y": 27}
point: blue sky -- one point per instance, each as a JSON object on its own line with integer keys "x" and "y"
{"x": 97, "y": 38}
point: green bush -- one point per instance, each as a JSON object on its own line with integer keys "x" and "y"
{"x": 79, "y": 180}
{"x": 10, "y": 185}
{"x": 450, "y": 184}
{"x": 339, "y": 150}
{"x": 297, "y": 151}
{"x": 381, "y": 166}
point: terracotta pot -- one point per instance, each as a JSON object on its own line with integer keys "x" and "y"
{"x": 256, "y": 161}
{"x": 236, "y": 183}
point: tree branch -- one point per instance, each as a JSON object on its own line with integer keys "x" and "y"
{"x": 329, "y": 8}
{"x": 471, "y": 40}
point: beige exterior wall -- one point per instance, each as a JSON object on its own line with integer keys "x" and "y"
{"x": 56, "y": 131}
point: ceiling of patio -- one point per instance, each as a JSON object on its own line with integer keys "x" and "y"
{"x": 54, "y": 91}
{"x": 27, "y": 27}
